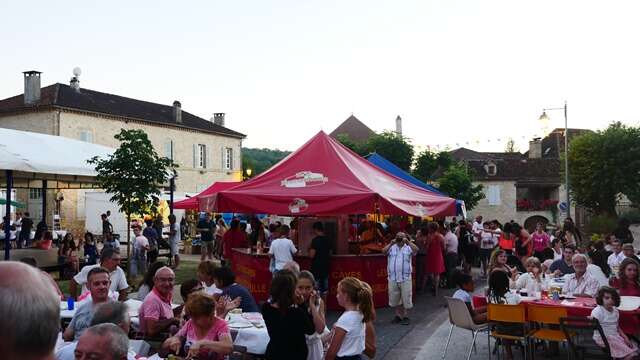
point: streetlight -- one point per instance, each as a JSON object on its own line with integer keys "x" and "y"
{"x": 248, "y": 173}
{"x": 543, "y": 118}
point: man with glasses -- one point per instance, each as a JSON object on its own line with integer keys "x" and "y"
{"x": 109, "y": 259}
{"x": 156, "y": 315}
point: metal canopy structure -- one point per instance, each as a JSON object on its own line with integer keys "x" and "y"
{"x": 33, "y": 160}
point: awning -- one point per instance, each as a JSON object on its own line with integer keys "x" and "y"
{"x": 192, "y": 203}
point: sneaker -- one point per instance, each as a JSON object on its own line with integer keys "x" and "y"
{"x": 396, "y": 320}
{"x": 405, "y": 321}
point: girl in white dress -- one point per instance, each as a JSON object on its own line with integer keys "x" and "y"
{"x": 607, "y": 314}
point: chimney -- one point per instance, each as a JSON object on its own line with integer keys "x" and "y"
{"x": 218, "y": 119}
{"x": 399, "y": 125}
{"x": 177, "y": 112}
{"x": 535, "y": 149}
{"x": 31, "y": 87}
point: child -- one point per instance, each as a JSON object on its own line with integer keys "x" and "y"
{"x": 90, "y": 249}
{"x": 349, "y": 331}
{"x": 305, "y": 288}
{"x": 607, "y": 314}
{"x": 466, "y": 287}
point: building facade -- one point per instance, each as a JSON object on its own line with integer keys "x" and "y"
{"x": 205, "y": 151}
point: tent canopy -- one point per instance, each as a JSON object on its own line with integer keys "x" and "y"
{"x": 323, "y": 177}
{"x": 28, "y": 152}
{"x": 192, "y": 203}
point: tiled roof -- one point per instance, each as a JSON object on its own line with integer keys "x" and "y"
{"x": 61, "y": 95}
{"x": 354, "y": 128}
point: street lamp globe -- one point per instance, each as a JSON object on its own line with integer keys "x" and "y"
{"x": 249, "y": 171}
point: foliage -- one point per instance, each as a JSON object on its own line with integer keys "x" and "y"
{"x": 457, "y": 182}
{"x": 633, "y": 216}
{"x": 393, "y": 147}
{"x": 133, "y": 174}
{"x": 428, "y": 162}
{"x": 259, "y": 160}
{"x": 603, "y": 165}
{"x": 511, "y": 147}
{"x": 356, "y": 147}
{"x": 602, "y": 224}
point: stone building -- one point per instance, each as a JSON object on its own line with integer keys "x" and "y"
{"x": 206, "y": 151}
{"x": 526, "y": 188}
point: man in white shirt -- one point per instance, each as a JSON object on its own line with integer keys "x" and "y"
{"x": 476, "y": 228}
{"x": 615, "y": 259}
{"x": 580, "y": 283}
{"x": 282, "y": 249}
{"x": 399, "y": 253}
{"x": 451, "y": 254}
{"x": 109, "y": 259}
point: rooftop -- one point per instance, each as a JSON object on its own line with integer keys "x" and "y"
{"x": 354, "y": 128}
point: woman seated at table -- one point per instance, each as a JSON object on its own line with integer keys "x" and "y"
{"x": 204, "y": 336}
{"x": 498, "y": 262}
{"x": 44, "y": 243}
{"x": 531, "y": 281}
{"x": 499, "y": 294}
{"x": 628, "y": 280}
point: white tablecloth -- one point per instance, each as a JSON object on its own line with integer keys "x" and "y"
{"x": 132, "y": 305}
{"x": 254, "y": 338}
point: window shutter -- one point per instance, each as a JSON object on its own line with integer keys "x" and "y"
{"x": 231, "y": 160}
{"x": 195, "y": 156}
{"x": 207, "y": 156}
{"x": 222, "y": 162}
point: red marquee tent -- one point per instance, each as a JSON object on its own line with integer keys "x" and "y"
{"x": 323, "y": 177}
{"x": 192, "y": 203}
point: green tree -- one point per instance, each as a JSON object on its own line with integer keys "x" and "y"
{"x": 457, "y": 182}
{"x": 393, "y": 147}
{"x": 603, "y": 165}
{"x": 133, "y": 175}
{"x": 428, "y": 162}
{"x": 358, "y": 148}
{"x": 259, "y": 160}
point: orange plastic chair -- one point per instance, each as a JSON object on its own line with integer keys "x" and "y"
{"x": 546, "y": 315}
{"x": 513, "y": 314}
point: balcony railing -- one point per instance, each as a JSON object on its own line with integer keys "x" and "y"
{"x": 536, "y": 205}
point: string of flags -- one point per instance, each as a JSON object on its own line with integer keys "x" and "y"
{"x": 501, "y": 141}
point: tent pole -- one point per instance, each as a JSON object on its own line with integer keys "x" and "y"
{"x": 44, "y": 201}
{"x": 172, "y": 185}
{"x": 7, "y": 224}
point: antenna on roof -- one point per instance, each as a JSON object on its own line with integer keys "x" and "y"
{"x": 75, "y": 82}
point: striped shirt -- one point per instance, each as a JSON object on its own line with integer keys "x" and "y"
{"x": 399, "y": 263}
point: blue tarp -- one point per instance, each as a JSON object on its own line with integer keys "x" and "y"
{"x": 394, "y": 170}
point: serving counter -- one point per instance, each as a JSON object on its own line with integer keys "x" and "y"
{"x": 252, "y": 271}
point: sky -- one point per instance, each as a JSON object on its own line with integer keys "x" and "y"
{"x": 459, "y": 72}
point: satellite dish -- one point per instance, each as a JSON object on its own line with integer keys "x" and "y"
{"x": 77, "y": 71}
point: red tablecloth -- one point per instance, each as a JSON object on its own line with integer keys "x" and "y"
{"x": 629, "y": 320}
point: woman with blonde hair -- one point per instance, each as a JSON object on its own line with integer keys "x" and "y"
{"x": 532, "y": 280}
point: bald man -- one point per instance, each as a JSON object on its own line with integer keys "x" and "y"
{"x": 30, "y": 313}
{"x": 156, "y": 315}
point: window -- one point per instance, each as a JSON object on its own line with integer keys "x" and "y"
{"x": 493, "y": 194}
{"x": 491, "y": 169}
{"x": 86, "y": 136}
{"x": 35, "y": 194}
{"x": 228, "y": 158}
{"x": 201, "y": 160}
{"x": 168, "y": 149}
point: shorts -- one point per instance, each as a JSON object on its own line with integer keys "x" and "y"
{"x": 323, "y": 284}
{"x": 173, "y": 247}
{"x": 207, "y": 247}
{"x": 400, "y": 294}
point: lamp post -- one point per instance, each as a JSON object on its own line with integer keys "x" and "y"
{"x": 544, "y": 117}
{"x": 248, "y": 172}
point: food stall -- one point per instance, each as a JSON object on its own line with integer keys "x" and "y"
{"x": 324, "y": 181}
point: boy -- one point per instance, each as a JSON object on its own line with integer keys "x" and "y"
{"x": 466, "y": 287}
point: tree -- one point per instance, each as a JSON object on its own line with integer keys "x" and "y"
{"x": 511, "y": 147}
{"x": 457, "y": 182}
{"x": 603, "y": 165}
{"x": 358, "y": 148}
{"x": 259, "y": 160}
{"x": 133, "y": 175}
{"x": 393, "y": 147}
{"x": 428, "y": 162}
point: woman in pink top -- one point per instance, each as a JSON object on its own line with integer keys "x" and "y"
{"x": 540, "y": 240}
{"x": 204, "y": 336}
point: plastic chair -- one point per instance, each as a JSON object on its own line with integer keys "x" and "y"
{"x": 546, "y": 315}
{"x": 512, "y": 314}
{"x": 459, "y": 316}
{"x": 579, "y": 332}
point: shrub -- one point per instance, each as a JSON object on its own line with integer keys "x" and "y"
{"x": 602, "y": 225}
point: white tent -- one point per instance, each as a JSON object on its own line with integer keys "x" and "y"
{"x": 47, "y": 154}
{"x": 26, "y": 157}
